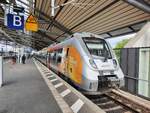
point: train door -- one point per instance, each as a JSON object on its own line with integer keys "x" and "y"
{"x": 63, "y": 59}
{"x": 66, "y": 61}
{"x": 74, "y": 64}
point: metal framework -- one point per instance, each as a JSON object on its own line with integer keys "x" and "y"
{"x": 141, "y": 4}
{"x": 57, "y": 14}
{"x": 108, "y": 18}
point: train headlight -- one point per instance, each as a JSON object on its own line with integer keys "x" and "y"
{"x": 115, "y": 63}
{"x": 93, "y": 63}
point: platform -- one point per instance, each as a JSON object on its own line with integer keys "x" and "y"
{"x": 25, "y": 91}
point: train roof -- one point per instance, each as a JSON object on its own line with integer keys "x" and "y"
{"x": 72, "y": 38}
{"x": 86, "y": 34}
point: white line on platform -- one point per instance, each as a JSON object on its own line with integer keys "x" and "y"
{"x": 47, "y": 74}
{"x": 62, "y": 104}
{"x": 43, "y": 70}
{"x": 50, "y": 76}
{"x": 77, "y": 106}
{"x": 46, "y": 71}
{"x": 58, "y": 85}
{"x": 53, "y": 80}
{"x": 64, "y": 93}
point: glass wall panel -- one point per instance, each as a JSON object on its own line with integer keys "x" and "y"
{"x": 144, "y": 72}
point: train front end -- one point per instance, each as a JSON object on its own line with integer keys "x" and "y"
{"x": 101, "y": 70}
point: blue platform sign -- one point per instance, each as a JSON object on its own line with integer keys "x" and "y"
{"x": 15, "y": 21}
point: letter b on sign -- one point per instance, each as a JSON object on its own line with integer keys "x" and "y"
{"x": 15, "y": 22}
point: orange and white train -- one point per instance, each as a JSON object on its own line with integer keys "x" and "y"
{"x": 87, "y": 60}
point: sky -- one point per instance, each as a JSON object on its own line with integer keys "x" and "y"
{"x": 115, "y": 40}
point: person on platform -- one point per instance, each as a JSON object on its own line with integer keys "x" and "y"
{"x": 23, "y": 59}
{"x": 14, "y": 60}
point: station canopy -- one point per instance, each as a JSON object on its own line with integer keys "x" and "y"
{"x": 107, "y": 18}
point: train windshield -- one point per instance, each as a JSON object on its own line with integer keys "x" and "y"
{"x": 97, "y": 47}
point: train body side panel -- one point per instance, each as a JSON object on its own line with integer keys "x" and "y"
{"x": 74, "y": 65}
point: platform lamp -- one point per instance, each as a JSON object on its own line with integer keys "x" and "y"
{"x": 55, "y": 7}
{"x": 72, "y": 2}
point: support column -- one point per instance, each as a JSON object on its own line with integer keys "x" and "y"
{"x": 1, "y": 71}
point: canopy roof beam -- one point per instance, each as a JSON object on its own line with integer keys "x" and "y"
{"x": 141, "y": 4}
{"x": 112, "y": 3}
{"x": 45, "y": 35}
{"x": 56, "y": 14}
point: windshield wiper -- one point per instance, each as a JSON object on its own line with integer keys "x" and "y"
{"x": 105, "y": 56}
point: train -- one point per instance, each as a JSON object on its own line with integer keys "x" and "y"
{"x": 87, "y": 60}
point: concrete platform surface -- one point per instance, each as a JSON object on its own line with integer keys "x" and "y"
{"x": 25, "y": 91}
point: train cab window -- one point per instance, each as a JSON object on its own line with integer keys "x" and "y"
{"x": 97, "y": 47}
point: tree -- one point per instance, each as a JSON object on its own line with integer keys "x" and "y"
{"x": 119, "y": 46}
{"x": 122, "y": 43}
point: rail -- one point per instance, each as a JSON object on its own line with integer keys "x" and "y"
{"x": 118, "y": 101}
{"x": 138, "y": 79}
{"x": 138, "y": 104}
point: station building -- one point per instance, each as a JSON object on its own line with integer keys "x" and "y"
{"x": 140, "y": 45}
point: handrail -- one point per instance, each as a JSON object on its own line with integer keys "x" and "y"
{"x": 137, "y": 79}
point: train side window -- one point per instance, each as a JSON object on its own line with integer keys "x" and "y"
{"x": 59, "y": 59}
{"x": 60, "y": 50}
{"x": 51, "y": 56}
{"x": 54, "y": 56}
{"x": 59, "y": 55}
{"x": 48, "y": 57}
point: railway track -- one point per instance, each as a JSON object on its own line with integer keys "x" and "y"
{"x": 118, "y": 101}
{"x": 110, "y": 105}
